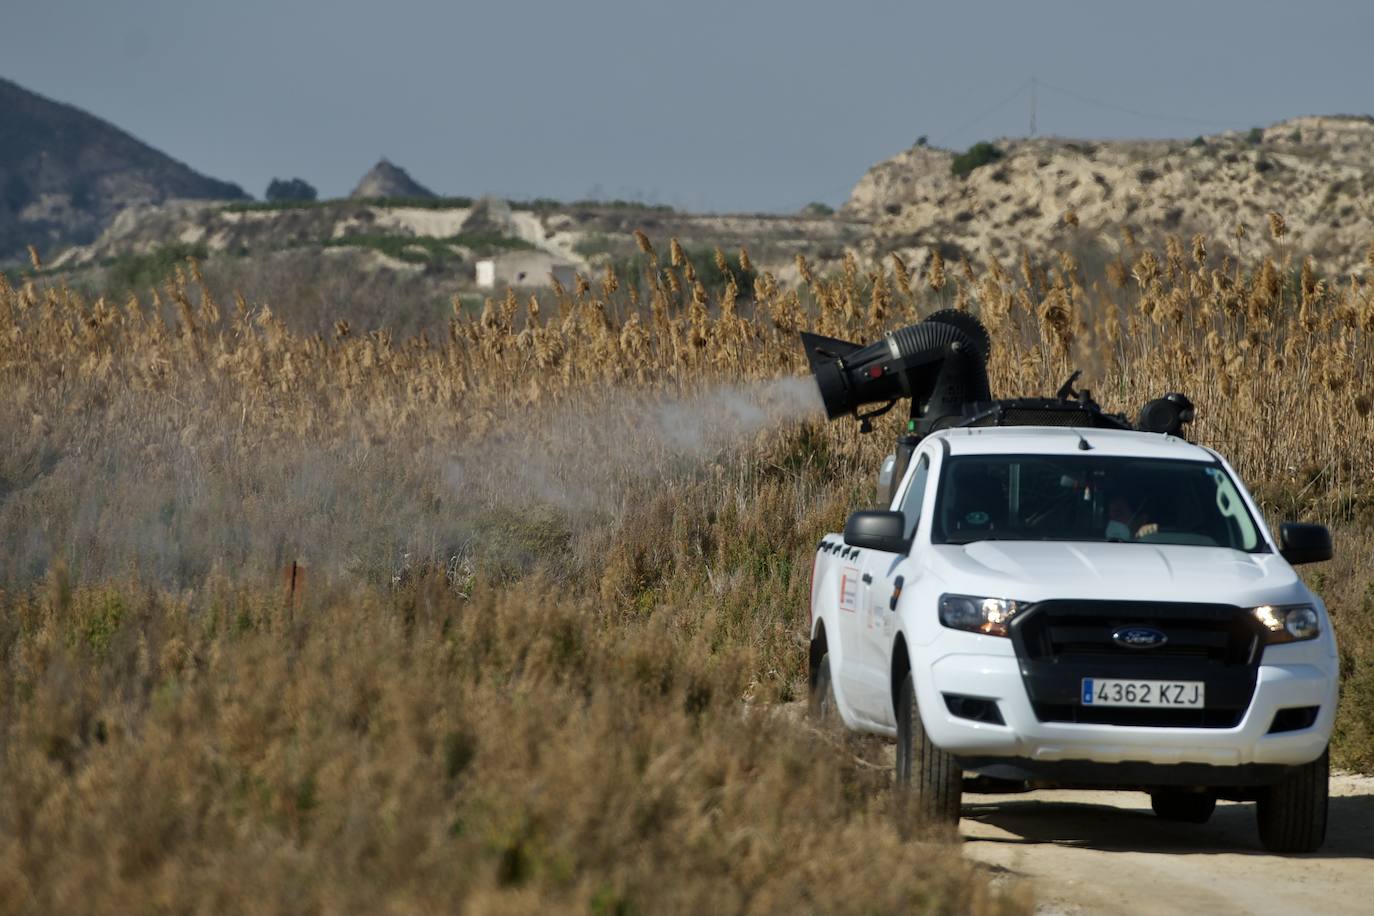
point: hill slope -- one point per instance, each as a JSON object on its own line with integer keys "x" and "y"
{"x": 1318, "y": 172}
{"x": 65, "y": 174}
{"x": 386, "y": 179}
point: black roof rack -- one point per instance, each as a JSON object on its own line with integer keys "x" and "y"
{"x": 1080, "y": 414}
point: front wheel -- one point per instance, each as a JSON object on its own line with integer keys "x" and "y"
{"x": 932, "y": 777}
{"x": 823, "y": 693}
{"x": 1292, "y": 814}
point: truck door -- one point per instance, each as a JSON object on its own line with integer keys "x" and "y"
{"x": 879, "y": 578}
{"x": 859, "y": 629}
{"x": 850, "y": 617}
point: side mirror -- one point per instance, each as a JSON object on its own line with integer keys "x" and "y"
{"x": 885, "y": 531}
{"x": 1300, "y": 542}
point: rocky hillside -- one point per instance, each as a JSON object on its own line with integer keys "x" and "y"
{"x": 65, "y": 174}
{"x": 1317, "y": 172}
{"x": 405, "y": 264}
{"x": 449, "y": 232}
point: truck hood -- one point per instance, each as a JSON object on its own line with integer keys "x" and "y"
{"x": 1039, "y": 570}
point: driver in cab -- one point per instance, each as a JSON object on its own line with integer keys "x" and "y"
{"x": 1127, "y": 518}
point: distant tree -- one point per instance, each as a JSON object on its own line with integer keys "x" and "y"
{"x": 1255, "y": 136}
{"x": 922, "y": 140}
{"x": 816, "y": 208}
{"x": 291, "y": 189}
{"x": 976, "y": 155}
{"x": 1198, "y": 141}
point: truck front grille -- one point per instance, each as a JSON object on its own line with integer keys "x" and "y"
{"x": 1213, "y": 632}
{"x": 1061, "y": 642}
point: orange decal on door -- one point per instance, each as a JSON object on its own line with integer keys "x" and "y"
{"x": 849, "y": 589}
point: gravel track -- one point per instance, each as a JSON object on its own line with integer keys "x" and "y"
{"x": 1106, "y": 852}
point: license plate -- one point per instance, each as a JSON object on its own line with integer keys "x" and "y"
{"x": 1104, "y": 691}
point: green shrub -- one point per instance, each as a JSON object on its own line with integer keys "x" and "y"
{"x": 489, "y": 242}
{"x": 631, "y": 270}
{"x": 979, "y": 154}
{"x": 816, "y": 208}
{"x": 1255, "y": 136}
{"x": 593, "y": 244}
{"x": 538, "y": 204}
{"x": 141, "y": 271}
{"x": 424, "y": 203}
{"x": 433, "y": 250}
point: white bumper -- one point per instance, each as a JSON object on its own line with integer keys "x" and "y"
{"x": 1310, "y": 682}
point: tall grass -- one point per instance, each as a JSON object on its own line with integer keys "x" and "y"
{"x": 551, "y": 566}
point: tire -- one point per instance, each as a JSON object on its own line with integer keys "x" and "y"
{"x": 1292, "y": 814}
{"x": 932, "y": 778}
{"x": 1185, "y": 807}
{"x": 823, "y": 694}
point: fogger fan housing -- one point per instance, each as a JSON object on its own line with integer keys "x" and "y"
{"x": 940, "y": 365}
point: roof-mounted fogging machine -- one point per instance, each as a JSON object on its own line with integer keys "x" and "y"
{"x": 940, "y": 366}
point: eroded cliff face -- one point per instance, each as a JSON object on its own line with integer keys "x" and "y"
{"x": 65, "y": 174}
{"x": 1317, "y": 172}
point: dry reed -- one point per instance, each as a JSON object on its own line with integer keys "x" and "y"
{"x": 540, "y": 638}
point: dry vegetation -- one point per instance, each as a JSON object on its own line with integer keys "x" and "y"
{"x": 553, "y": 575}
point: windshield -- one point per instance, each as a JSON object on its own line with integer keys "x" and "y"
{"x": 1087, "y": 498}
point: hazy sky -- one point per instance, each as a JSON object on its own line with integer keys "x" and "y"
{"x": 743, "y": 105}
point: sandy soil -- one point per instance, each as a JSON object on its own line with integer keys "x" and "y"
{"x": 1106, "y": 852}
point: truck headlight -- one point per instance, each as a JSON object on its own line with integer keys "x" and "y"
{"x": 1293, "y": 623}
{"x": 979, "y": 615}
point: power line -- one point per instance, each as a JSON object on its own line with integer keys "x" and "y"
{"x": 1016, "y": 94}
{"x": 1034, "y": 84}
{"x": 1109, "y": 106}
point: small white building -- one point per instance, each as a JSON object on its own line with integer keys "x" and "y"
{"x": 523, "y": 268}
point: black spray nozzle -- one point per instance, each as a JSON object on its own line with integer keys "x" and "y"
{"x": 1167, "y": 415}
{"x": 940, "y": 364}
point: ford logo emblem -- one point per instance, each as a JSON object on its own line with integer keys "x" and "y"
{"x": 1139, "y": 637}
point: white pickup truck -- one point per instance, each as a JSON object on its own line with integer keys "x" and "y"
{"x": 1075, "y": 607}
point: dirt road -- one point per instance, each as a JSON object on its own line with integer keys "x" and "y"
{"x": 1106, "y": 852}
